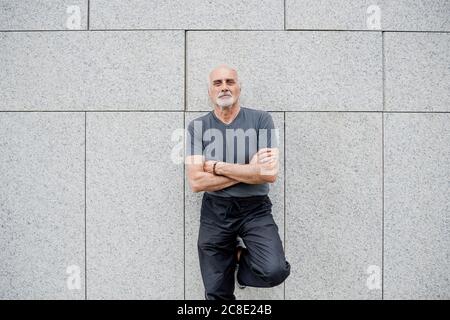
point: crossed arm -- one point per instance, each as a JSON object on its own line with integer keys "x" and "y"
{"x": 262, "y": 168}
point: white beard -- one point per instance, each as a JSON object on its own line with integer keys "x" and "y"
{"x": 225, "y": 102}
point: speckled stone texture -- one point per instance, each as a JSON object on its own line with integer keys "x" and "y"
{"x": 292, "y": 70}
{"x": 417, "y": 206}
{"x": 43, "y": 15}
{"x": 399, "y": 15}
{"x": 80, "y": 70}
{"x": 193, "y": 14}
{"x": 366, "y": 193}
{"x": 194, "y": 284}
{"x": 134, "y": 206}
{"x": 333, "y": 204}
{"x": 417, "y": 71}
{"x": 41, "y": 205}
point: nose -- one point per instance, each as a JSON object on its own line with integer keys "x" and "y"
{"x": 225, "y": 91}
{"x": 224, "y": 87}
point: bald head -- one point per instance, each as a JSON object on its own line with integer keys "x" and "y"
{"x": 221, "y": 70}
{"x": 224, "y": 87}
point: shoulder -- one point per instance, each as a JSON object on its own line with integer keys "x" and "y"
{"x": 260, "y": 115}
{"x": 262, "y": 119}
{"x": 204, "y": 119}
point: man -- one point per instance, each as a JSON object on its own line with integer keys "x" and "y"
{"x": 232, "y": 155}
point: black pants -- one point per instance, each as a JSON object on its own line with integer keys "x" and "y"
{"x": 263, "y": 264}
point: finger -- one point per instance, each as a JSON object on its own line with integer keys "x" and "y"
{"x": 268, "y": 154}
{"x": 264, "y": 150}
{"x": 269, "y": 159}
{"x": 264, "y": 160}
{"x": 264, "y": 155}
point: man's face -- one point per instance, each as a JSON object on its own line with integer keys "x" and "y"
{"x": 224, "y": 89}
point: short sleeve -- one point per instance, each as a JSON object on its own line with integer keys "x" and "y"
{"x": 267, "y": 133}
{"x": 194, "y": 143}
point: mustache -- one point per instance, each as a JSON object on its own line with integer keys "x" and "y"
{"x": 224, "y": 95}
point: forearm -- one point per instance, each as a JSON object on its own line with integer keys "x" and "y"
{"x": 205, "y": 181}
{"x": 247, "y": 173}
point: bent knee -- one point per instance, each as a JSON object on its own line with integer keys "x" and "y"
{"x": 276, "y": 274}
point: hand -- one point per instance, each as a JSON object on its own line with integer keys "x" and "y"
{"x": 265, "y": 155}
{"x": 208, "y": 166}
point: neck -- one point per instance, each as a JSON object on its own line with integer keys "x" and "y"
{"x": 227, "y": 114}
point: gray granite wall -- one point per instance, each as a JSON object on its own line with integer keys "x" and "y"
{"x": 94, "y": 205}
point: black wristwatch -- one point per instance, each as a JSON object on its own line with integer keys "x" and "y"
{"x": 214, "y": 168}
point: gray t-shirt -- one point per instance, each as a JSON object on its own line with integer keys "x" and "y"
{"x": 236, "y": 142}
